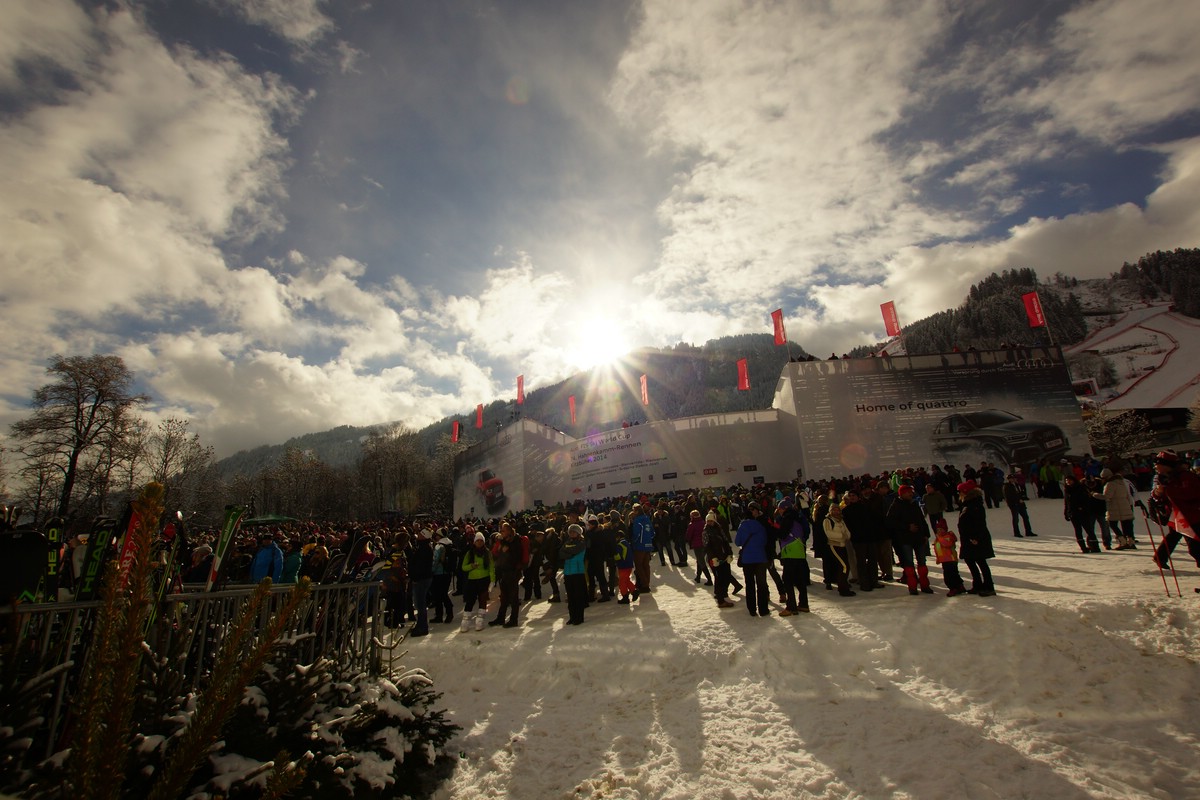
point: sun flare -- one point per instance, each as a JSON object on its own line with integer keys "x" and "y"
{"x": 597, "y": 341}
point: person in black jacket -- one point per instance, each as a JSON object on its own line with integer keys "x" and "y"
{"x": 420, "y": 576}
{"x": 975, "y": 540}
{"x": 910, "y": 538}
{"x": 1078, "y": 509}
{"x": 860, "y": 522}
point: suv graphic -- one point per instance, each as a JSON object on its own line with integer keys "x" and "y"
{"x": 491, "y": 489}
{"x": 997, "y": 436}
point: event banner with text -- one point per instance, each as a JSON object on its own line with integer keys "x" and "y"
{"x": 1011, "y": 407}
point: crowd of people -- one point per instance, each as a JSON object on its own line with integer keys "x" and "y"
{"x": 866, "y": 531}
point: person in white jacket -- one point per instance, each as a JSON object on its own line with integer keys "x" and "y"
{"x": 1119, "y": 498}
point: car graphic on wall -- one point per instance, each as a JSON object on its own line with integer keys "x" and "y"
{"x": 491, "y": 489}
{"x": 997, "y": 436}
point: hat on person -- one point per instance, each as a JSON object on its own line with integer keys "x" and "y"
{"x": 575, "y": 529}
{"x": 424, "y": 533}
{"x": 1105, "y": 474}
{"x": 479, "y": 537}
{"x": 753, "y": 506}
{"x": 787, "y": 502}
{"x": 967, "y": 486}
{"x": 445, "y": 540}
{"x": 905, "y": 488}
{"x": 710, "y": 517}
{"x": 1168, "y": 457}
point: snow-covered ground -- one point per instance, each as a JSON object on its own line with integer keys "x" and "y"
{"x": 1155, "y": 352}
{"x": 1078, "y": 680}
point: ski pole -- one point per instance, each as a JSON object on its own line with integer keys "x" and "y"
{"x": 1161, "y": 574}
{"x": 1170, "y": 561}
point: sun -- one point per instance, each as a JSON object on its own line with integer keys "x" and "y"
{"x": 596, "y": 341}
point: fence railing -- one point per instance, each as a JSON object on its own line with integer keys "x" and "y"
{"x": 338, "y": 621}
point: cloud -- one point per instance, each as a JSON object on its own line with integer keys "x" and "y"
{"x": 51, "y": 31}
{"x": 1125, "y": 67}
{"x": 780, "y": 110}
{"x": 301, "y": 22}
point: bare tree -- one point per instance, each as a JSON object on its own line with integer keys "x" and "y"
{"x": 175, "y": 458}
{"x": 90, "y": 398}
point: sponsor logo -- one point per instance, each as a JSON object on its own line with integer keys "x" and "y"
{"x": 669, "y": 475}
{"x": 600, "y": 485}
{"x": 750, "y": 468}
{"x": 635, "y": 480}
{"x": 710, "y": 470}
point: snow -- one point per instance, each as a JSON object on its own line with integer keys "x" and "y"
{"x": 1154, "y": 351}
{"x": 1078, "y": 680}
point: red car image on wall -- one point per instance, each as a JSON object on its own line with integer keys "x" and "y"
{"x": 491, "y": 489}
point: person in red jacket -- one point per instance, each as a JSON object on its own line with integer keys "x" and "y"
{"x": 1181, "y": 510}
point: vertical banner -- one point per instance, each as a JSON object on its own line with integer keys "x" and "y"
{"x": 454, "y": 431}
{"x": 777, "y": 321}
{"x": 479, "y": 416}
{"x": 571, "y": 405}
{"x": 743, "y": 376}
{"x": 645, "y": 392}
{"x": 891, "y": 322}
{"x": 1033, "y": 310}
{"x": 520, "y": 389}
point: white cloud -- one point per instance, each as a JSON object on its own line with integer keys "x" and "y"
{"x": 1128, "y": 66}
{"x": 780, "y": 108}
{"x": 55, "y": 31}
{"x": 301, "y": 22}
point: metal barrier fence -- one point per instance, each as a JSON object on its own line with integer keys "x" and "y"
{"x": 339, "y": 621}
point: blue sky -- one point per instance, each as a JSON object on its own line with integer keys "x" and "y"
{"x": 287, "y": 215}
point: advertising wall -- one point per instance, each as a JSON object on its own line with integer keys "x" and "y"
{"x": 535, "y": 468}
{"x": 1010, "y": 407}
{"x": 830, "y": 418}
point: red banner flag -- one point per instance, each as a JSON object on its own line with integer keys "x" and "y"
{"x": 571, "y": 405}
{"x": 454, "y": 432}
{"x": 1033, "y": 310}
{"x": 645, "y": 392}
{"x": 777, "y": 320}
{"x": 743, "y": 376}
{"x": 479, "y": 416}
{"x": 891, "y": 322}
{"x": 520, "y": 389}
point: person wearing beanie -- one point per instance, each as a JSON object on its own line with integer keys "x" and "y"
{"x": 945, "y": 551}
{"x": 480, "y": 572}
{"x": 1175, "y": 503}
{"x": 439, "y": 586}
{"x": 718, "y": 553}
{"x": 976, "y": 539}
{"x": 1119, "y": 499}
{"x": 910, "y": 537}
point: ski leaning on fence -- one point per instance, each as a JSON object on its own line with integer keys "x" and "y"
{"x": 233, "y": 520}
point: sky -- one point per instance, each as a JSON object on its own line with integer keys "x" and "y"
{"x": 1076, "y": 681}
{"x": 288, "y": 215}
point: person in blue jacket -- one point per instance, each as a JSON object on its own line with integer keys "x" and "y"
{"x": 268, "y": 561}
{"x": 751, "y": 538}
{"x": 641, "y": 536}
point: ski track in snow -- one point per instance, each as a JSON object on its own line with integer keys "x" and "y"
{"x": 1079, "y": 680}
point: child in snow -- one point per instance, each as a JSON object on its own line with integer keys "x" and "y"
{"x": 945, "y": 548}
